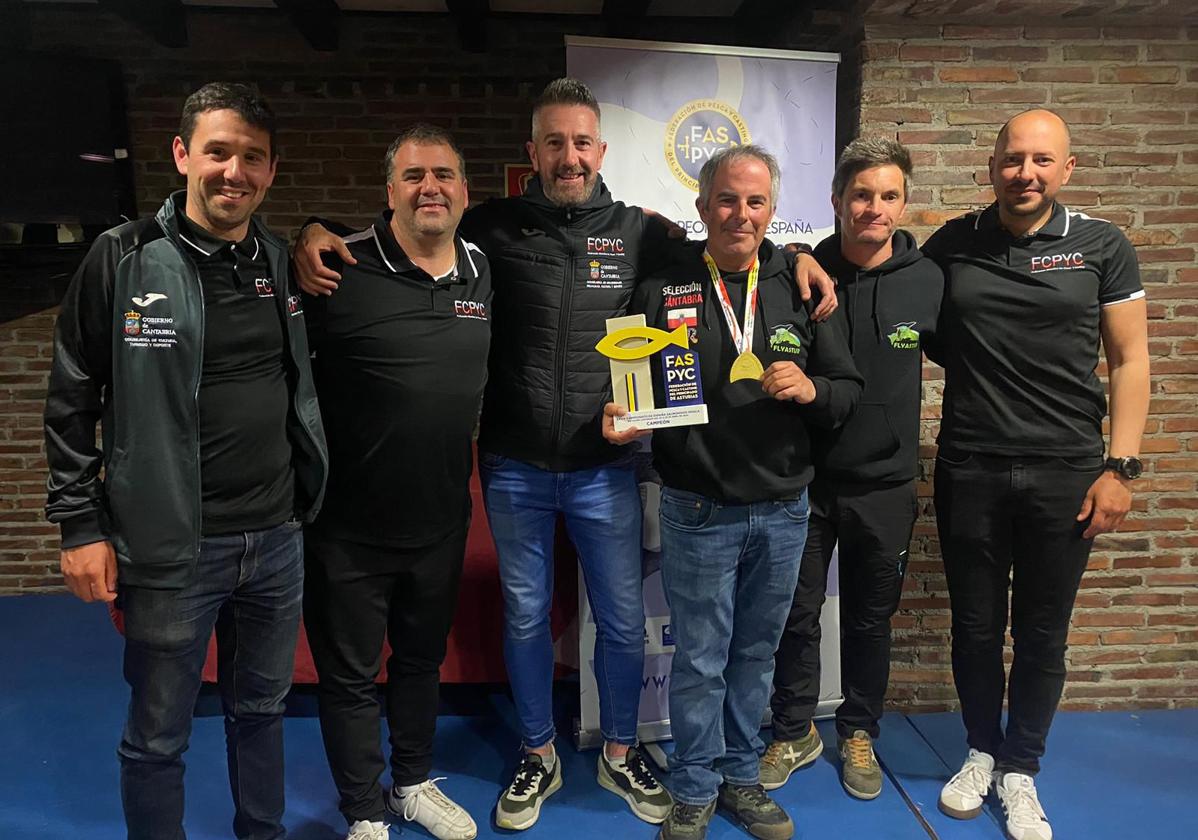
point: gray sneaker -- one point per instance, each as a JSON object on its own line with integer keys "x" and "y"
{"x": 859, "y": 770}
{"x": 632, "y": 781}
{"x": 753, "y": 809}
{"x": 784, "y": 757}
{"x": 687, "y": 822}
{"x": 519, "y": 805}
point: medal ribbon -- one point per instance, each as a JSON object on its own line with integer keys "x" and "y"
{"x": 742, "y": 340}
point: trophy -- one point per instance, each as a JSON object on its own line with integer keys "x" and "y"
{"x": 628, "y": 345}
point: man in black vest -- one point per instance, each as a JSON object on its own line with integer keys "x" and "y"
{"x": 179, "y": 336}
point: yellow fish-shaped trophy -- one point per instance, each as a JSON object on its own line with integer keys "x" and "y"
{"x": 657, "y": 340}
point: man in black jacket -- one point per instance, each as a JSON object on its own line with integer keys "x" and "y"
{"x": 565, "y": 257}
{"x": 734, "y": 507}
{"x": 863, "y": 497}
{"x": 179, "y": 336}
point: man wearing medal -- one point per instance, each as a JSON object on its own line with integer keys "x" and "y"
{"x": 734, "y": 507}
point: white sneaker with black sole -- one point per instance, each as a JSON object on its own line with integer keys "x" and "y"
{"x": 428, "y": 806}
{"x": 1025, "y": 817}
{"x": 519, "y": 805}
{"x": 630, "y": 779}
{"x": 962, "y": 797}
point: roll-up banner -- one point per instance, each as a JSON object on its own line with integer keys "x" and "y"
{"x": 666, "y": 109}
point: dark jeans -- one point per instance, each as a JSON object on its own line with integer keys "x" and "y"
{"x": 249, "y": 586}
{"x": 356, "y": 595}
{"x": 995, "y": 514}
{"x": 873, "y": 526}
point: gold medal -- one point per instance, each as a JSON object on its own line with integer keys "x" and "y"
{"x": 746, "y": 366}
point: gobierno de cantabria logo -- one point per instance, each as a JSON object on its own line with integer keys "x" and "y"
{"x": 698, "y": 130}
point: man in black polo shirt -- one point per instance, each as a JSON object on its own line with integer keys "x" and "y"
{"x": 179, "y": 336}
{"x": 400, "y": 362}
{"x": 1021, "y": 480}
{"x": 863, "y": 496}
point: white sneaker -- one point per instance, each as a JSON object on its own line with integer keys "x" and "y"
{"x": 963, "y": 795}
{"x": 1025, "y": 817}
{"x": 366, "y": 830}
{"x": 428, "y": 806}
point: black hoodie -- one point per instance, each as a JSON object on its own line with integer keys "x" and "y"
{"x": 890, "y": 310}
{"x": 754, "y": 448}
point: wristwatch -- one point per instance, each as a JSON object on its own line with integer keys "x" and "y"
{"x": 1130, "y": 467}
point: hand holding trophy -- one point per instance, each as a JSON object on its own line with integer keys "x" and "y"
{"x": 628, "y": 345}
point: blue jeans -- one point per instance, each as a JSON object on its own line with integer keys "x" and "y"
{"x": 602, "y": 508}
{"x": 729, "y": 573}
{"x": 249, "y": 587}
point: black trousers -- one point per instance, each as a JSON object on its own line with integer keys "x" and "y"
{"x": 873, "y": 527}
{"x": 996, "y": 515}
{"x": 354, "y": 595}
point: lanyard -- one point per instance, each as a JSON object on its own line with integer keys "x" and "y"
{"x": 743, "y": 341}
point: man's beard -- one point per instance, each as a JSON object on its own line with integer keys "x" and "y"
{"x": 566, "y": 196}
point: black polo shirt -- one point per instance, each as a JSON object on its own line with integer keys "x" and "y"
{"x": 400, "y": 360}
{"x": 1019, "y": 331}
{"x": 246, "y": 478}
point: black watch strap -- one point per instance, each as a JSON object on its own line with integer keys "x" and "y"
{"x": 1130, "y": 468}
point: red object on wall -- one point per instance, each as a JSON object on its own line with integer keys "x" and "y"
{"x": 475, "y": 649}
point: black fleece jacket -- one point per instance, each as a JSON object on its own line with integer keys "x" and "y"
{"x": 890, "y": 312}
{"x": 753, "y": 448}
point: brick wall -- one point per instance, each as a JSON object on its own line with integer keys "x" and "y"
{"x": 1130, "y": 94}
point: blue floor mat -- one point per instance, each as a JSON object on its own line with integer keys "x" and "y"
{"x": 1115, "y": 775}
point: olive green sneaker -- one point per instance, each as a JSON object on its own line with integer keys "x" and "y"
{"x": 519, "y": 805}
{"x": 782, "y": 758}
{"x": 751, "y": 806}
{"x": 687, "y": 822}
{"x": 859, "y": 770}
{"x": 630, "y": 779}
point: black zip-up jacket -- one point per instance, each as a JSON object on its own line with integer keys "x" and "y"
{"x": 753, "y": 448}
{"x": 558, "y": 275}
{"x": 890, "y": 312}
{"x": 140, "y": 379}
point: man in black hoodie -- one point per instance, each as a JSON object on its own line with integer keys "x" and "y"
{"x": 864, "y": 493}
{"x": 734, "y": 507}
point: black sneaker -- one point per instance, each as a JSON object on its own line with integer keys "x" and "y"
{"x": 519, "y": 805}
{"x": 687, "y": 822}
{"x": 631, "y": 780}
{"x": 752, "y": 808}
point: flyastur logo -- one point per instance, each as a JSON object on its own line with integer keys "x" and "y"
{"x": 904, "y": 337}
{"x": 784, "y": 340}
{"x": 698, "y": 130}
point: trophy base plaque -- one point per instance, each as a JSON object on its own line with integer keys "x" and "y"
{"x": 663, "y": 418}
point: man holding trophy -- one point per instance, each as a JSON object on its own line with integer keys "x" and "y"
{"x": 734, "y": 507}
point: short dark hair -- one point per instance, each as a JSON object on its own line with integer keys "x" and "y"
{"x": 868, "y": 153}
{"x": 422, "y": 134}
{"x": 564, "y": 91}
{"x": 228, "y": 96}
